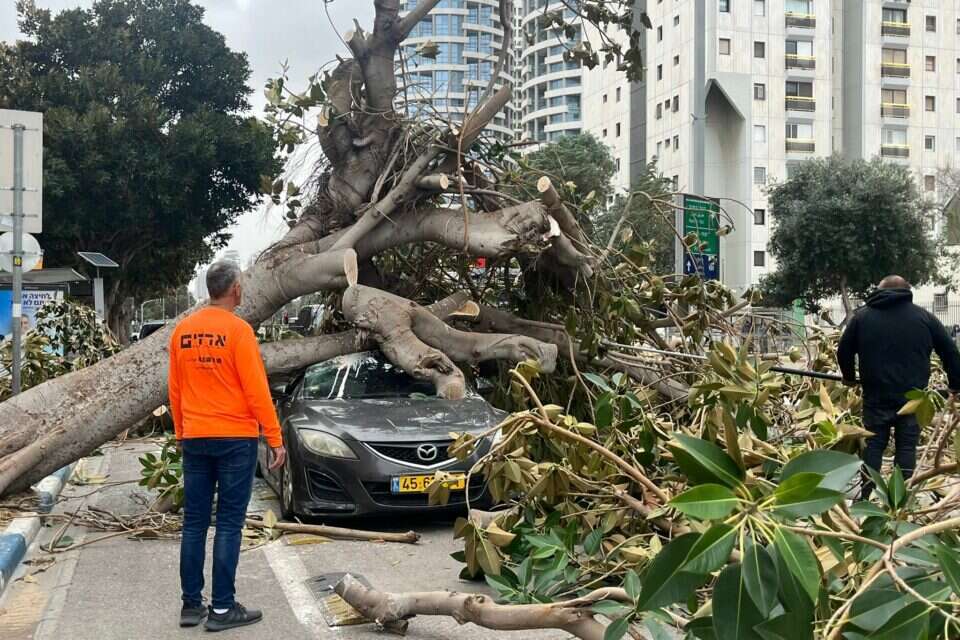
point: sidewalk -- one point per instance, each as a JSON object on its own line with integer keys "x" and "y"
{"x": 123, "y": 589}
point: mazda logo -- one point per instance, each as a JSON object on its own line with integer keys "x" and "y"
{"x": 427, "y": 452}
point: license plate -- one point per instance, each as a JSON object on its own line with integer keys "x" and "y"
{"x": 419, "y": 484}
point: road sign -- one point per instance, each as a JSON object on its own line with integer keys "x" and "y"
{"x": 700, "y": 216}
{"x": 32, "y": 255}
{"x": 32, "y": 169}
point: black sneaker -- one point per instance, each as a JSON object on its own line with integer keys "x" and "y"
{"x": 192, "y": 616}
{"x": 238, "y": 616}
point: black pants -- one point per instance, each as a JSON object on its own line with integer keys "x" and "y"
{"x": 906, "y": 435}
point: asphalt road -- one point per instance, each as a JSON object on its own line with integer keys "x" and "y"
{"x": 123, "y": 589}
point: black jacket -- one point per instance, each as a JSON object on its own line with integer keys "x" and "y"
{"x": 892, "y": 338}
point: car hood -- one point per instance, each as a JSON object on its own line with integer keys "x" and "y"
{"x": 399, "y": 419}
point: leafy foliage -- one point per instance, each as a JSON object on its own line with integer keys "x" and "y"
{"x": 67, "y": 337}
{"x": 847, "y": 223}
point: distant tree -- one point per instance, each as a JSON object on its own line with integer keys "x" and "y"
{"x": 647, "y": 228}
{"x": 841, "y": 225}
{"x": 581, "y": 164}
{"x": 148, "y": 156}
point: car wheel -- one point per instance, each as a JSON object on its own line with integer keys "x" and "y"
{"x": 286, "y": 492}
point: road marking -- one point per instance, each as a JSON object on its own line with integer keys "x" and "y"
{"x": 292, "y": 576}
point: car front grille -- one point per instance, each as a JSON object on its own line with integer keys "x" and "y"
{"x": 381, "y": 494}
{"x": 406, "y": 452}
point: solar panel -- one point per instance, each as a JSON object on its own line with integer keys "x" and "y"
{"x": 98, "y": 260}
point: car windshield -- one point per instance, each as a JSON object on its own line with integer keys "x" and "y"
{"x": 362, "y": 376}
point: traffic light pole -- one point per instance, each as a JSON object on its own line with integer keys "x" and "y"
{"x": 17, "y": 313}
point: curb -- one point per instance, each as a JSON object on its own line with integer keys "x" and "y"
{"x": 21, "y": 532}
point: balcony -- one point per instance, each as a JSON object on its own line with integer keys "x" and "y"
{"x": 801, "y": 103}
{"x": 895, "y": 150}
{"x": 794, "y": 61}
{"x": 898, "y": 29}
{"x": 801, "y": 20}
{"x": 894, "y": 70}
{"x": 797, "y": 145}
{"x": 894, "y": 110}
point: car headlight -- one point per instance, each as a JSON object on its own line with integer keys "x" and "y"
{"x": 325, "y": 444}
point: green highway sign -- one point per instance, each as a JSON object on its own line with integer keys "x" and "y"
{"x": 700, "y": 216}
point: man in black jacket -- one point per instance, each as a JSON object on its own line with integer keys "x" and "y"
{"x": 892, "y": 338}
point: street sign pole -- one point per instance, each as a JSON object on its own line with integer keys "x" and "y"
{"x": 18, "y": 190}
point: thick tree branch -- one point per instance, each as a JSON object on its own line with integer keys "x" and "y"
{"x": 392, "y": 611}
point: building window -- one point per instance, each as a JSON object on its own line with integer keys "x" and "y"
{"x": 932, "y": 24}
{"x": 724, "y": 6}
{"x": 676, "y": 21}
{"x": 676, "y": 143}
{"x": 957, "y": 144}
{"x": 676, "y": 183}
{"x": 894, "y": 137}
{"x": 958, "y": 26}
{"x": 618, "y": 129}
{"x": 931, "y": 63}
{"x": 930, "y": 183}
{"x": 618, "y": 164}
{"x": 659, "y": 111}
{"x": 759, "y": 49}
{"x": 660, "y": 33}
{"x": 895, "y": 56}
{"x": 930, "y": 143}
{"x": 618, "y": 94}
{"x": 759, "y": 258}
{"x": 930, "y": 103}
{"x": 759, "y": 7}
{"x": 676, "y": 104}
{"x": 799, "y": 131}
{"x": 659, "y": 148}
{"x": 724, "y": 46}
{"x": 893, "y": 96}
{"x": 759, "y": 91}
{"x": 604, "y": 133}
{"x": 759, "y": 175}
{"x": 659, "y": 73}
{"x": 676, "y": 61}
{"x": 958, "y": 105}
{"x": 760, "y": 217}
{"x": 940, "y": 302}
{"x": 759, "y": 133}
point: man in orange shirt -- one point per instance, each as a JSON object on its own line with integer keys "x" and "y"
{"x": 220, "y": 399}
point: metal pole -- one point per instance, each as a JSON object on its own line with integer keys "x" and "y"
{"x": 18, "y": 189}
{"x": 98, "y": 303}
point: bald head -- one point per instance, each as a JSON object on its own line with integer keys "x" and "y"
{"x": 894, "y": 282}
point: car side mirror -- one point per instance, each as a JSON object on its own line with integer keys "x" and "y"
{"x": 279, "y": 389}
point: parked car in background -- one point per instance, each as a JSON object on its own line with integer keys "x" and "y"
{"x": 365, "y": 437}
{"x": 148, "y": 328}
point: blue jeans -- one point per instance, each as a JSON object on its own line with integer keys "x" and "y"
{"x": 227, "y": 464}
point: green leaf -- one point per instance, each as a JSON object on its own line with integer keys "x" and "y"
{"x": 617, "y": 629}
{"x": 867, "y": 509}
{"x": 592, "y": 544}
{"x": 706, "y": 502}
{"x": 788, "y": 626}
{"x": 705, "y": 462}
{"x": 734, "y": 613}
{"x": 797, "y": 487}
{"x": 817, "y": 502}
{"x": 631, "y": 584}
{"x": 711, "y": 551}
{"x": 873, "y": 608}
{"x": 760, "y": 576}
{"x": 610, "y": 608}
{"x": 837, "y": 468}
{"x": 656, "y": 630}
{"x": 907, "y": 624}
{"x": 896, "y": 489}
{"x": 799, "y": 560}
{"x": 665, "y": 582}
{"x": 947, "y": 559}
{"x": 598, "y": 381}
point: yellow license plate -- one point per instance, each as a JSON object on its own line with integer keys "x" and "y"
{"x": 419, "y": 484}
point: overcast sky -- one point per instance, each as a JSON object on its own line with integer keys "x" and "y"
{"x": 269, "y": 31}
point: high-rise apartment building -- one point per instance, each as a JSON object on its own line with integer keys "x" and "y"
{"x": 448, "y": 59}
{"x": 737, "y": 92}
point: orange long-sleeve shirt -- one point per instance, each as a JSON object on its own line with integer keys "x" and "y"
{"x": 217, "y": 383}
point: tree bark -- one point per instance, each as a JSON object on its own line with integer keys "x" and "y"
{"x": 393, "y": 611}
